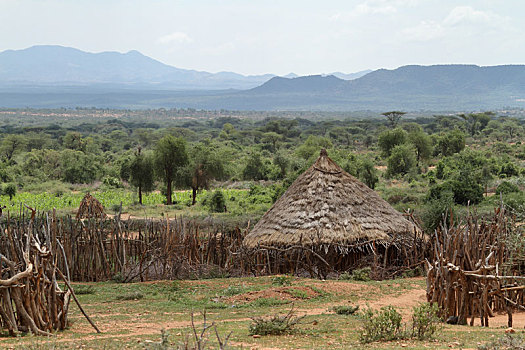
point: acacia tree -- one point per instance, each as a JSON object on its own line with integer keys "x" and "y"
{"x": 204, "y": 165}
{"x": 476, "y": 122}
{"x": 170, "y": 155}
{"x": 11, "y": 144}
{"x": 141, "y": 173}
{"x": 393, "y": 117}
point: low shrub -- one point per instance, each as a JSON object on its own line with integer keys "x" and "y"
{"x": 386, "y": 325}
{"x": 345, "y": 276}
{"x": 362, "y": 274}
{"x": 233, "y": 290}
{"x": 425, "y": 321}
{"x": 357, "y": 275}
{"x": 383, "y": 325}
{"x": 218, "y": 202}
{"x": 282, "y": 280}
{"x": 274, "y": 325}
{"x": 9, "y": 190}
{"x": 507, "y": 187}
{"x": 505, "y": 342}
{"x": 118, "y": 278}
{"x": 130, "y": 296}
{"x": 345, "y": 309}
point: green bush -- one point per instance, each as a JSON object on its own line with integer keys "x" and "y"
{"x": 465, "y": 189}
{"x": 362, "y": 274}
{"x": 10, "y": 190}
{"x": 111, "y": 181}
{"x": 389, "y": 139}
{"x": 345, "y": 309}
{"x": 507, "y": 187}
{"x": 437, "y": 210}
{"x": 401, "y": 161}
{"x": 217, "y": 202}
{"x": 514, "y": 202}
{"x": 508, "y": 169}
{"x": 505, "y": 342}
{"x": 425, "y": 321}
{"x": 274, "y": 325}
{"x": 383, "y": 325}
{"x": 357, "y": 275}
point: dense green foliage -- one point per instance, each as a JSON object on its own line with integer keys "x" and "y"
{"x": 431, "y": 164}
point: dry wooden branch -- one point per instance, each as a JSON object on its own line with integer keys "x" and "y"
{"x": 465, "y": 278}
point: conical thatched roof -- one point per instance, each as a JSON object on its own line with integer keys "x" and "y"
{"x": 326, "y": 205}
{"x": 90, "y": 207}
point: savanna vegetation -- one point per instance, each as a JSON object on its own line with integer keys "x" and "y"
{"x": 169, "y": 162}
{"x": 232, "y": 166}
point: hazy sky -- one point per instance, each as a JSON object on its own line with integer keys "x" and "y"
{"x": 266, "y": 36}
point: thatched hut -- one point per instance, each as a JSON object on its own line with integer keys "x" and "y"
{"x": 90, "y": 207}
{"x": 329, "y": 211}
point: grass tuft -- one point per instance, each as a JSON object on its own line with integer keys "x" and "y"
{"x": 130, "y": 296}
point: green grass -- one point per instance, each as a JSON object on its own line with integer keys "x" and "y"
{"x": 239, "y": 202}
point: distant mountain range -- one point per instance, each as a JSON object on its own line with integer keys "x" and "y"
{"x": 49, "y": 65}
{"x": 55, "y": 76}
{"x": 438, "y": 87}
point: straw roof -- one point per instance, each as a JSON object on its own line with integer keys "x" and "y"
{"x": 326, "y": 205}
{"x": 90, "y": 207}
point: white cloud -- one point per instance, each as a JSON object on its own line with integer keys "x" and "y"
{"x": 368, "y": 7}
{"x": 461, "y": 21}
{"x": 176, "y": 37}
{"x": 467, "y": 15}
{"x": 424, "y": 31}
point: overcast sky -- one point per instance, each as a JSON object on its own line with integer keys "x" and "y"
{"x": 282, "y": 36}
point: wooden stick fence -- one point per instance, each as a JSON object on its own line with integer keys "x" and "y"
{"x": 31, "y": 299}
{"x": 98, "y": 249}
{"x": 472, "y": 274}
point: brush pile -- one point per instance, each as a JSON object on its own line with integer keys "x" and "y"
{"x": 31, "y": 298}
{"x": 474, "y": 273}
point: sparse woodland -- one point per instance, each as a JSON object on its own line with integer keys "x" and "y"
{"x": 194, "y": 183}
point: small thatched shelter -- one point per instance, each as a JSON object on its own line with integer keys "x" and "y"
{"x": 90, "y": 207}
{"x": 327, "y": 209}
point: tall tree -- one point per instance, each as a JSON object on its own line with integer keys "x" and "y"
{"x": 170, "y": 155}
{"x": 389, "y": 139}
{"x": 476, "y": 122}
{"x": 422, "y": 144}
{"x": 12, "y": 144}
{"x": 393, "y": 117}
{"x": 141, "y": 173}
{"x": 204, "y": 165}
